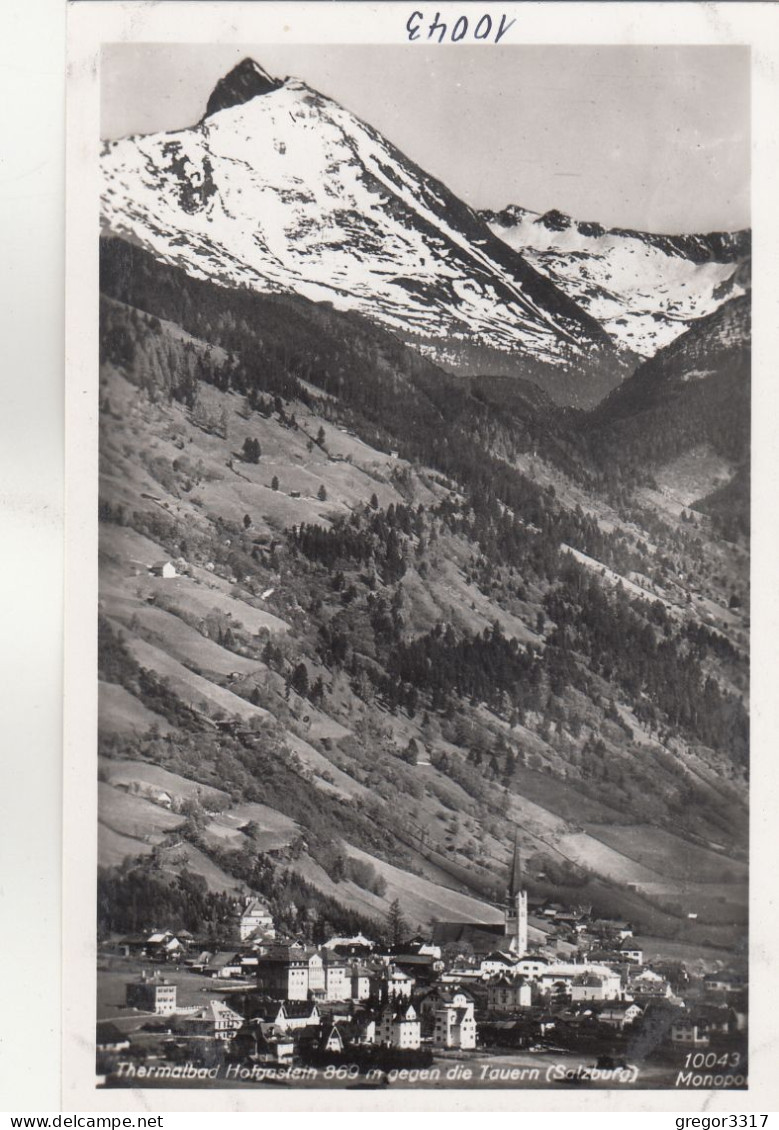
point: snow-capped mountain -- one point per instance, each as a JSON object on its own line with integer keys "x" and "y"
{"x": 644, "y": 289}
{"x": 280, "y": 189}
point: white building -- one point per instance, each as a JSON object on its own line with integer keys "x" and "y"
{"x": 294, "y": 973}
{"x": 569, "y": 973}
{"x": 442, "y": 997}
{"x": 531, "y": 967}
{"x": 620, "y": 1013}
{"x": 216, "y": 1020}
{"x": 163, "y": 569}
{"x": 355, "y": 941}
{"x": 361, "y": 983}
{"x": 153, "y": 994}
{"x": 631, "y": 953}
{"x": 338, "y": 979}
{"x": 255, "y": 916}
{"x": 455, "y": 1025}
{"x": 690, "y": 1031}
{"x": 392, "y": 985}
{"x": 292, "y": 1015}
{"x": 508, "y": 994}
{"x": 591, "y": 986}
{"x": 495, "y": 963}
{"x": 399, "y": 1027}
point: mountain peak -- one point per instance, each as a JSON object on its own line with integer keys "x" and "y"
{"x": 555, "y": 220}
{"x": 510, "y": 215}
{"x": 245, "y": 81}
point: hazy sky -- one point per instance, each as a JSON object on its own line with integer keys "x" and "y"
{"x": 655, "y": 138}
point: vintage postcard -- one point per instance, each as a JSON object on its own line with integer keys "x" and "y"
{"x": 410, "y": 428}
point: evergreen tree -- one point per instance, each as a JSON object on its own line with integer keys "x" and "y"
{"x": 299, "y": 680}
{"x": 411, "y": 752}
{"x": 251, "y": 450}
{"x": 397, "y": 927}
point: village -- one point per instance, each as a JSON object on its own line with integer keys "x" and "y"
{"x": 470, "y": 1004}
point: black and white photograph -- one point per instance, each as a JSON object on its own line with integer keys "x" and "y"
{"x": 423, "y": 610}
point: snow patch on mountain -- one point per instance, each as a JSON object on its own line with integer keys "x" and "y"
{"x": 644, "y": 289}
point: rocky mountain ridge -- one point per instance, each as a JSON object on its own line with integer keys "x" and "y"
{"x": 644, "y": 288}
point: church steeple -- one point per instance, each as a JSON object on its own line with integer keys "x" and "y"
{"x": 516, "y": 905}
{"x": 515, "y": 875}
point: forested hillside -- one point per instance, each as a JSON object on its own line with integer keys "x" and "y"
{"x": 694, "y": 395}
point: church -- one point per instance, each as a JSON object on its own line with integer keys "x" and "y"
{"x": 509, "y": 936}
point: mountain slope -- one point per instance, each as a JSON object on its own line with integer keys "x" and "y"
{"x": 644, "y": 289}
{"x": 715, "y": 345}
{"x": 684, "y": 417}
{"x": 408, "y": 651}
{"x": 280, "y": 189}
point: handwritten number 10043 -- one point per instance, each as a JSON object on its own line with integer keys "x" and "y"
{"x": 438, "y": 30}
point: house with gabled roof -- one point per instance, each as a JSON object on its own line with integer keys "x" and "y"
{"x": 264, "y": 1042}
{"x": 163, "y": 943}
{"x": 355, "y": 946}
{"x": 532, "y": 965}
{"x": 648, "y": 985}
{"x": 295, "y": 972}
{"x": 619, "y": 1013}
{"x": 331, "y": 1040}
{"x": 151, "y": 994}
{"x": 422, "y": 967}
{"x": 421, "y": 945}
{"x": 497, "y": 962}
{"x": 632, "y": 953}
{"x": 568, "y": 973}
{"x": 690, "y": 1030}
{"x": 506, "y": 993}
{"x": 255, "y": 919}
{"x": 455, "y": 1025}
{"x": 612, "y": 928}
{"x": 594, "y": 985}
{"x": 289, "y": 1016}
{"x": 573, "y": 920}
{"x": 163, "y": 569}
{"x": 443, "y": 996}
{"x": 391, "y": 984}
{"x": 109, "y": 1038}
{"x": 722, "y": 983}
{"x": 399, "y": 1027}
{"x": 363, "y": 1027}
{"x": 225, "y": 966}
{"x": 216, "y": 1020}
